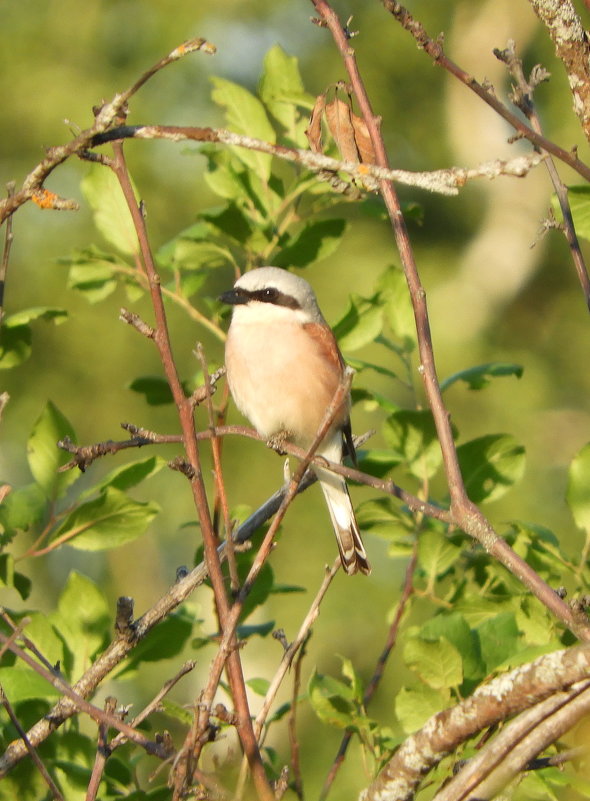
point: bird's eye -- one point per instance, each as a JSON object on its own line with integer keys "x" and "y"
{"x": 270, "y": 293}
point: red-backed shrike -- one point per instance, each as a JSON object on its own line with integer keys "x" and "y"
{"x": 283, "y": 369}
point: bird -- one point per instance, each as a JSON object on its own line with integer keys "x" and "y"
{"x": 283, "y": 368}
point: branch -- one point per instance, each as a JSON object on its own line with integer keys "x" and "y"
{"x": 435, "y": 50}
{"x": 107, "y": 116}
{"x": 407, "y": 591}
{"x": 517, "y": 744}
{"x": 465, "y": 514}
{"x": 522, "y": 96}
{"x": 572, "y": 47}
{"x": 446, "y": 182}
{"x": 491, "y": 703}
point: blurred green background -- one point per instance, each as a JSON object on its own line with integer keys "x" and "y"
{"x": 492, "y": 296}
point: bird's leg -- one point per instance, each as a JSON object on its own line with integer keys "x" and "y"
{"x": 277, "y": 441}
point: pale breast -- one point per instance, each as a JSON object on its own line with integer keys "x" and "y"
{"x": 281, "y": 378}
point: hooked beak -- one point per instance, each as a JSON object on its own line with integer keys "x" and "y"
{"x": 233, "y": 297}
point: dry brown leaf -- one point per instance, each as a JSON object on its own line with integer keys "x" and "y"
{"x": 314, "y": 130}
{"x": 339, "y": 119}
{"x": 363, "y": 140}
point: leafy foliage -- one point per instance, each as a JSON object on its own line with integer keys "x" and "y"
{"x": 467, "y": 616}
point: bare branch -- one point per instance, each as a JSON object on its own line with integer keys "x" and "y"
{"x": 110, "y": 114}
{"x": 434, "y": 49}
{"x": 510, "y": 752}
{"x": 500, "y": 698}
{"x": 523, "y": 97}
{"x": 54, "y": 789}
{"x": 571, "y": 45}
{"x": 446, "y": 182}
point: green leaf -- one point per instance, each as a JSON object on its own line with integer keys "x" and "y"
{"x": 476, "y": 610}
{"x": 261, "y": 588}
{"x": 11, "y": 579}
{"x": 154, "y": 388}
{"x": 26, "y": 316}
{"x": 578, "y": 488}
{"x": 499, "y": 639}
{"x": 438, "y": 663}
{"x": 377, "y": 461}
{"x": 106, "y": 522}
{"x": 45, "y": 457}
{"x": 83, "y": 595}
{"x": 93, "y": 273}
{"x": 41, "y": 631}
{"x": 361, "y": 324}
{"x": 331, "y": 700}
{"x": 22, "y": 508}
{"x": 579, "y": 200}
{"x": 281, "y": 90}
{"x": 412, "y": 437}
{"x": 490, "y": 466}
{"x": 15, "y": 346}
{"x": 83, "y": 621}
{"x": 109, "y": 207}
{"x": 353, "y": 678}
{"x": 164, "y": 641}
{"x": 245, "y": 115}
{"x": 480, "y": 376}
{"x": 359, "y": 365}
{"x": 130, "y": 475}
{"x": 230, "y": 221}
{"x": 259, "y": 629}
{"x": 22, "y": 684}
{"x": 398, "y": 306}
{"x": 454, "y": 628}
{"x": 384, "y": 518}
{"x": 16, "y": 336}
{"x": 535, "y": 623}
{"x": 317, "y": 240}
{"x": 436, "y": 554}
{"x": 259, "y": 686}
{"x": 415, "y": 705}
{"x": 176, "y": 711}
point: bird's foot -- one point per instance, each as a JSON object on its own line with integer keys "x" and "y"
{"x": 277, "y": 441}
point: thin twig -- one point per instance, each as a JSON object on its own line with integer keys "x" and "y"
{"x": 8, "y": 239}
{"x": 522, "y": 96}
{"x": 183, "y": 767}
{"x": 102, "y": 752}
{"x": 261, "y": 557}
{"x": 53, "y": 788}
{"x": 107, "y": 116}
{"x": 217, "y": 470}
{"x": 80, "y": 703}
{"x": 434, "y": 49}
{"x": 379, "y": 668}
